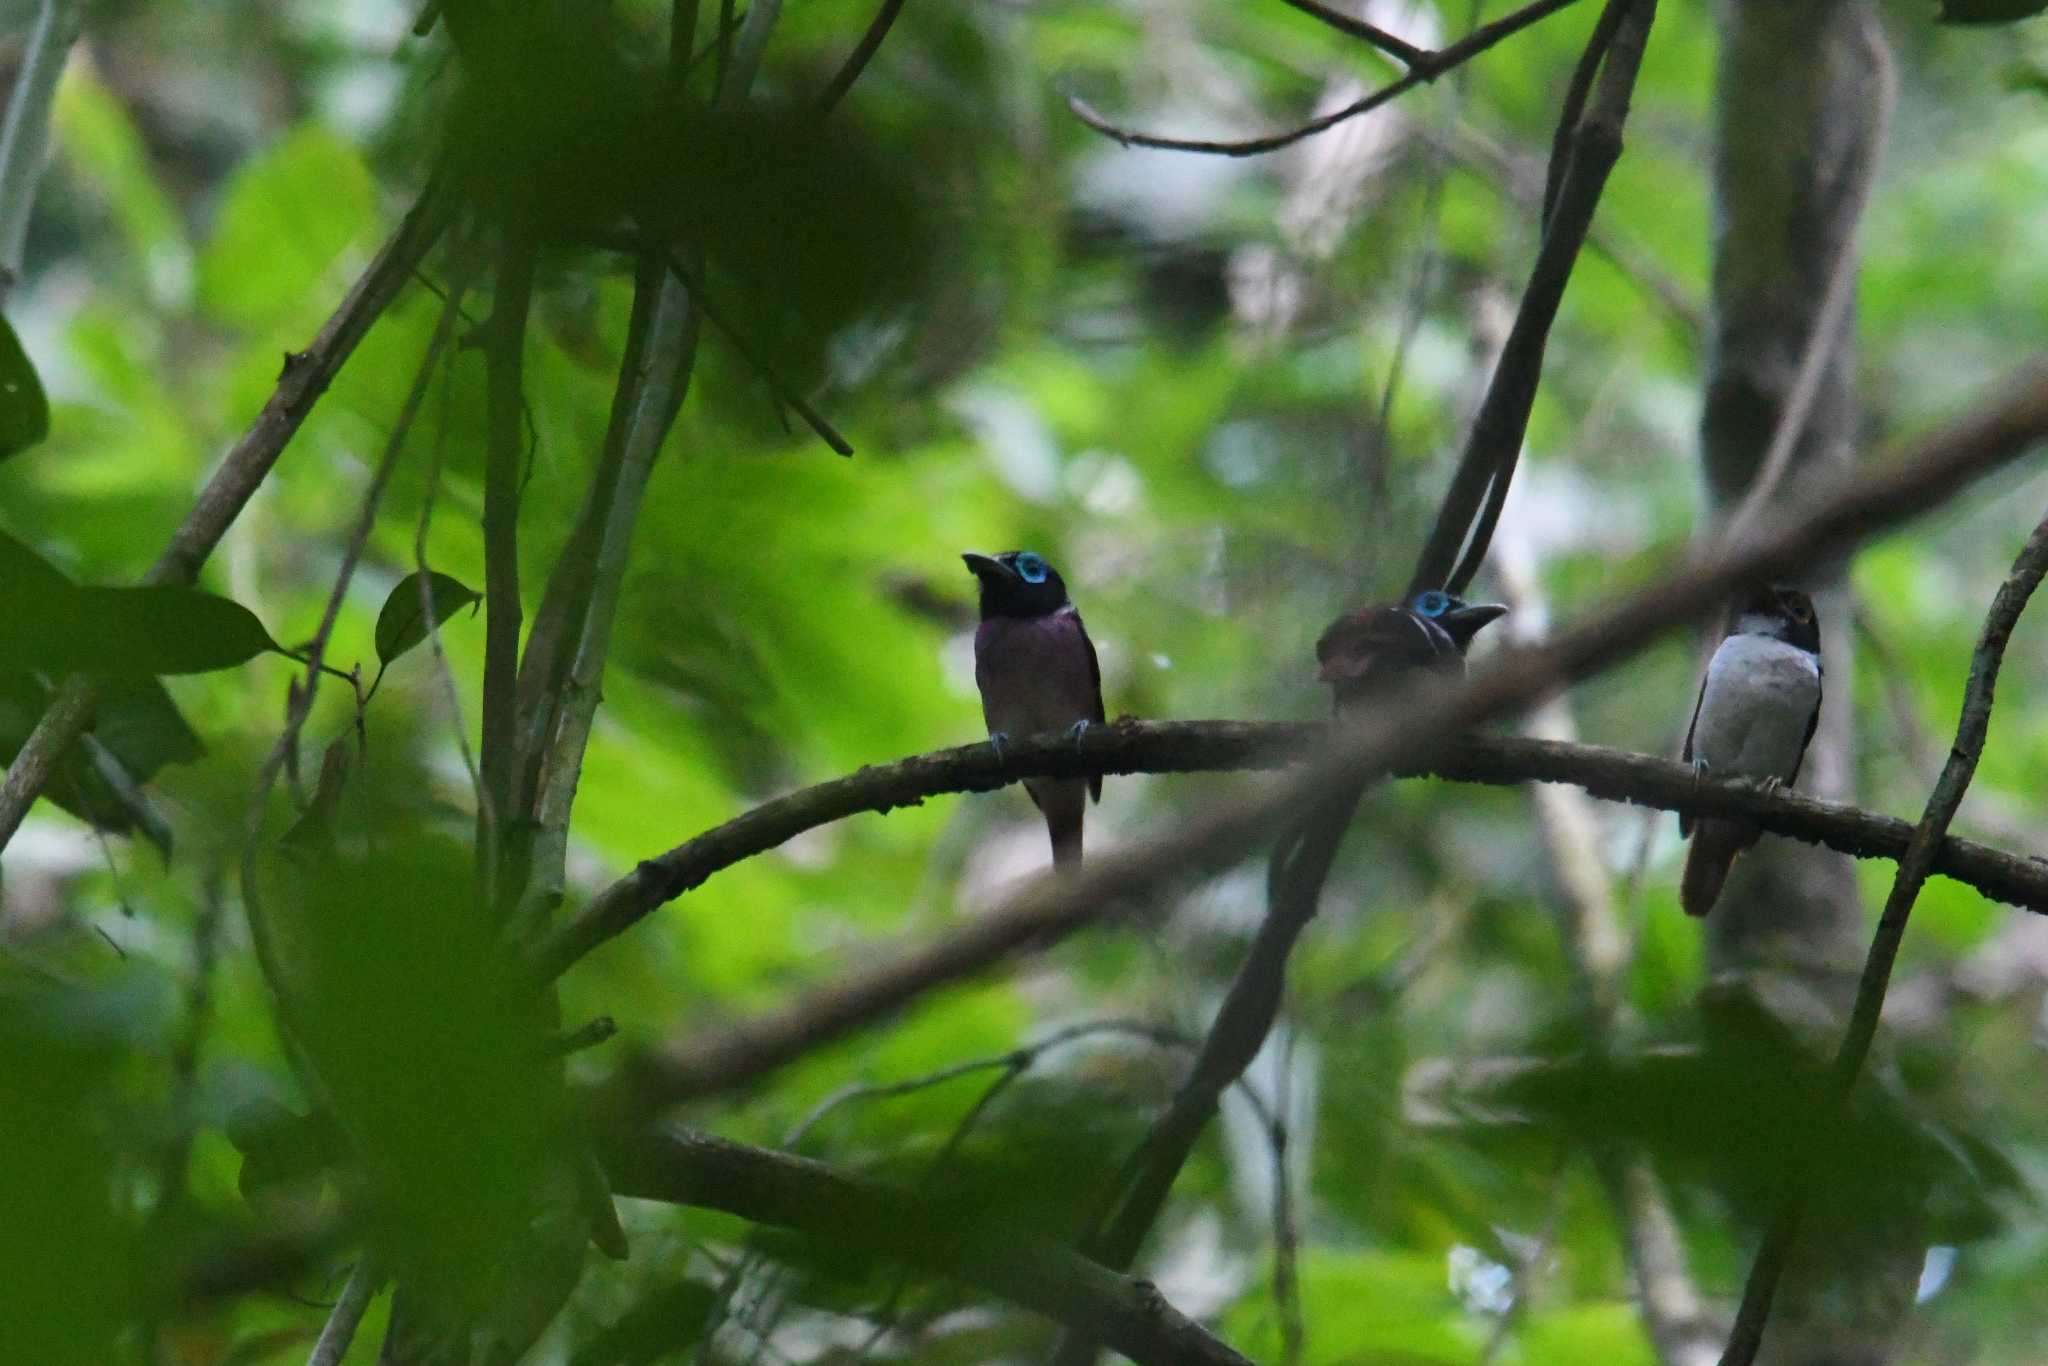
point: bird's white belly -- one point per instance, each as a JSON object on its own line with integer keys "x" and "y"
{"x": 1759, "y": 699}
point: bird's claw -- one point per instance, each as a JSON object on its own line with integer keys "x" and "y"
{"x": 1077, "y": 730}
{"x": 1769, "y": 784}
{"x": 996, "y": 740}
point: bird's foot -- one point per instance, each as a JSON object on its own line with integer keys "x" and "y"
{"x": 996, "y": 740}
{"x": 1769, "y": 784}
{"x": 1699, "y": 772}
{"x": 1077, "y": 730}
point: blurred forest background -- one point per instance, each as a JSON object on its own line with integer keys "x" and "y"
{"x": 1223, "y": 396}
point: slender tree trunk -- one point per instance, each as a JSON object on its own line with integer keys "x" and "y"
{"x": 1799, "y": 98}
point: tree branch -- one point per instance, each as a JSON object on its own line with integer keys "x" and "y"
{"x": 1427, "y": 67}
{"x": 25, "y": 136}
{"x": 1914, "y": 867}
{"x": 340, "y": 1329}
{"x": 1401, "y": 50}
{"x": 504, "y": 342}
{"x": 1408, "y": 739}
{"x": 695, "y": 1169}
{"x": 561, "y": 681}
{"x": 857, "y": 62}
{"x": 1479, "y": 488}
{"x": 305, "y": 378}
{"x": 743, "y": 1051}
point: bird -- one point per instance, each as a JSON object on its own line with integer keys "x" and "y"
{"x": 1037, "y": 672}
{"x": 1756, "y": 713}
{"x": 1365, "y": 657}
{"x": 1364, "y": 654}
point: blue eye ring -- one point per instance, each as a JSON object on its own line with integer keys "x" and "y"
{"x": 1432, "y": 603}
{"x": 1031, "y": 568}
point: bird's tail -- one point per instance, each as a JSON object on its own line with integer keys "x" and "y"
{"x": 1063, "y": 804}
{"x": 1714, "y": 847}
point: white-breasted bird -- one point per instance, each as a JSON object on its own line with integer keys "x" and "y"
{"x": 1756, "y": 712}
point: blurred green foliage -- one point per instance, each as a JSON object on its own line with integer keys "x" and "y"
{"x": 1167, "y": 374}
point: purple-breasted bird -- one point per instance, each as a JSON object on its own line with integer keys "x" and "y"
{"x": 1756, "y": 713}
{"x": 1036, "y": 670}
{"x": 1365, "y": 653}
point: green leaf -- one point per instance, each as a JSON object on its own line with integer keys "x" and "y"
{"x": 142, "y": 727}
{"x": 401, "y": 625}
{"x": 48, "y": 624}
{"x": 288, "y": 216}
{"x": 24, "y": 408}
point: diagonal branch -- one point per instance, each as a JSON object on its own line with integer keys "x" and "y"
{"x": 1025, "y": 1267}
{"x": 1479, "y": 488}
{"x": 1409, "y": 739}
{"x": 305, "y": 378}
{"x": 857, "y": 62}
{"x": 1914, "y": 867}
{"x": 1400, "y": 49}
{"x": 1426, "y": 68}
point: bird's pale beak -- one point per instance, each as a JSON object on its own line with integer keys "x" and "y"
{"x": 1465, "y": 622}
{"x": 987, "y": 567}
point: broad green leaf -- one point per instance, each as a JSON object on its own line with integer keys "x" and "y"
{"x": 401, "y": 624}
{"x": 167, "y": 630}
{"x": 48, "y": 624}
{"x": 142, "y": 727}
{"x": 287, "y": 217}
{"x": 24, "y": 408}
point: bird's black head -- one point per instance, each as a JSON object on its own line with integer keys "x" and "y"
{"x": 1017, "y": 583}
{"x": 1781, "y": 612}
{"x": 1460, "y": 619}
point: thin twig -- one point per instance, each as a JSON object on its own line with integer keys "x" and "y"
{"x": 1428, "y": 69}
{"x": 1479, "y": 488}
{"x": 777, "y": 386}
{"x": 898, "y": 1222}
{"x": 1235, "y": 1037}
{"x": 340, "y": 1330}
{"x": 450, "y": 692}
{"x": 1400, "y": 49}
{"x": 1915, "y": 865}
{"x": 306, "y": 376}
{"x": 1573, "y": 109}
{"x": 504, "y": 362}
{"x": 25, "y": 136}
{"x": 863, "y": 53}
{"x": 1494, "y": 167}
{"x": 561, "y": 679}
{"x": 1286, "y": 1228}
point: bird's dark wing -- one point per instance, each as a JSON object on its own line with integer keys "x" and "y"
{"x": 1812, "y": 722}
{"x": 1378, "y": 645}
{"x": 1095, "y": 680}
{"x": 1685, "y": 755}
